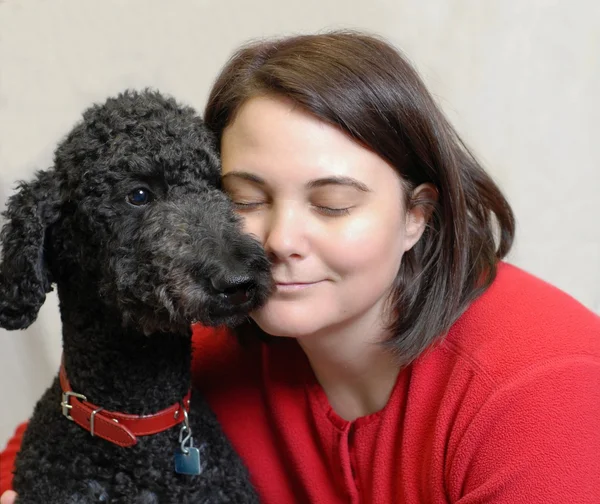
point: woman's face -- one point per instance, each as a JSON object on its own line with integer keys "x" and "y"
{"x": 328, "y": 211}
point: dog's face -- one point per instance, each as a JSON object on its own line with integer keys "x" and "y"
{"x": 133, "y": 217}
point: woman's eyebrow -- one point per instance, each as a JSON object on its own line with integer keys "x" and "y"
{"x": 338, "y": 180}
{"x": 251, "y": 177}
{"x": 313, "y": 184}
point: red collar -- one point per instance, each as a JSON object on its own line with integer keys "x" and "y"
{"x": 118, "y": 428}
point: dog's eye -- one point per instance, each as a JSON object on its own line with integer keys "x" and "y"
{"x": 139, "y": 197}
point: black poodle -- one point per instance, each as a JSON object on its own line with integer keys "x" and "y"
{"x": 131, "y": 226}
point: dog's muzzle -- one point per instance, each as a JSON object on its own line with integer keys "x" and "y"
{"x": 235, "y": 290}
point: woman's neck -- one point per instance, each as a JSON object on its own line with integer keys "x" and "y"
{"x": 356, "y": 372}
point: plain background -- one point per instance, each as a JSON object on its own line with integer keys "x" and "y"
{"x": 520, "y": 79}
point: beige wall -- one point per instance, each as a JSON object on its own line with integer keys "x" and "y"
{"x": 519, "y": 78}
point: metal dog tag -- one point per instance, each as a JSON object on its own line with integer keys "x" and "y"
{"x": 187, "y": 456}
{"x": 188, "y": 463}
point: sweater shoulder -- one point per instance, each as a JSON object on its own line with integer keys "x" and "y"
{"x": 520, "y": 322}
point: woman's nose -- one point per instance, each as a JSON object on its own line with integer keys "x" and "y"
{"x": 285, "y": 233}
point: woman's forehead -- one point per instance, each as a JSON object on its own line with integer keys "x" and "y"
{"x": 273, "y": 137}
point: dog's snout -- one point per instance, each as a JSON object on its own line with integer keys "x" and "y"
{"x": 237, "y": 289}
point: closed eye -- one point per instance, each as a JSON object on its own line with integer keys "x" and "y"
{"x": 251, "y": 205}
{"x": 332, "y": 212}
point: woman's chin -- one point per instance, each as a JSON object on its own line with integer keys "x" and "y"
{"x": 288, "y": 326}
{"x": 284, "y": 332}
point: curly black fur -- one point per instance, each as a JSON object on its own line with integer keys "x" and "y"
{"x": 132, "y": 228}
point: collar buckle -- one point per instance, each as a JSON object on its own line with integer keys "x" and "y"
{"x": 66, "y": 405}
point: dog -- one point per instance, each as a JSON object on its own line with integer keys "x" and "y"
{"x": 132, "y": 228}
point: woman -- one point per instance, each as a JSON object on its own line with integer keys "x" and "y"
{"x": 398, "y": 360}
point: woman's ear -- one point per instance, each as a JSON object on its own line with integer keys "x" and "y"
{"x": 420, "y": 206}
{"x": 24, "y": 275}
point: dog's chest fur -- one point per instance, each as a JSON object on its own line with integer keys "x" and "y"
{"x": 91, "y": 469}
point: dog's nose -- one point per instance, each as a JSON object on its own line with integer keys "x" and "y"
{"x": 236, "y": 289}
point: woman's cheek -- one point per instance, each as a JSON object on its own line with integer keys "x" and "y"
{"x": 252, "y": 224}
{"x": 366, "y": 238}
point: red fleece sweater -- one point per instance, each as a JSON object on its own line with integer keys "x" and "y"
{"x": 505, "y": 410}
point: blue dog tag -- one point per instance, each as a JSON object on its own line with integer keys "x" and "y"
{"x": 188, "y": 463}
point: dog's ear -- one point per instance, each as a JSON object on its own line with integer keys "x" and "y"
{"x": 24, "y": 275}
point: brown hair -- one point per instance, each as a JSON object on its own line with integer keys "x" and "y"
{"x": 365, "y": 87}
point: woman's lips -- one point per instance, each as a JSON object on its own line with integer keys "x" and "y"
{"x": 294, "y": 286}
